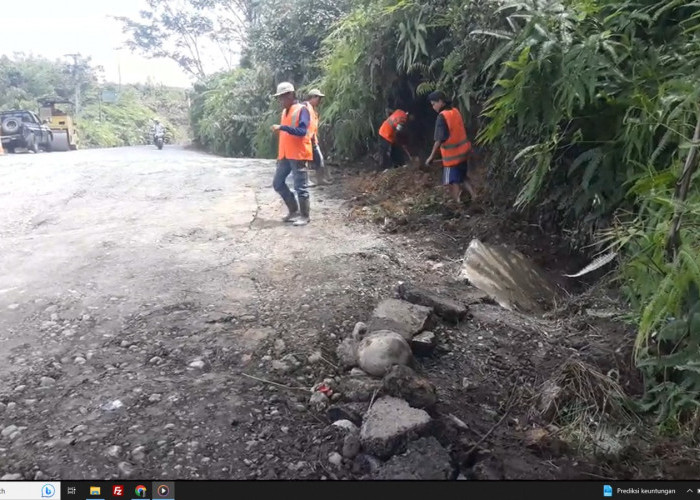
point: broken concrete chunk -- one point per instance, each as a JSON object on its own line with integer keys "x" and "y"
{"x": 423, "y": 343}
{"x": 402, "y": 382}
{"x": 390, "y": 424}
{"x": 508, "y": 277}
{"x": 424, "y": 459}
{"x": 379, "y": 351}
{"x": 401, "y": 317}
{"x": 444, "y": 307}
{"x": 360, "y": 389}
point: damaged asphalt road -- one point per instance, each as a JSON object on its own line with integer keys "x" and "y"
{"x": 138, "y": 286}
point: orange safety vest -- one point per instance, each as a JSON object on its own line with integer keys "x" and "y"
{"x": 313, "y": 126}
{"x": 455, "y": 149}
{"x": 291, "y": 146}
{"x": 389, "y": 127}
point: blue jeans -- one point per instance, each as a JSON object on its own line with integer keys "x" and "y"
{"x": 301, "y": 178}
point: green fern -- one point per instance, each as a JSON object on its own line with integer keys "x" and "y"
{"x": 424, "y": 88}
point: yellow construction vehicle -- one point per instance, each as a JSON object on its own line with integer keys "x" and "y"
{"x": 65, "y": 135}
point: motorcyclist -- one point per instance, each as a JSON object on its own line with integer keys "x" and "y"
{"x": 158, "y": 129}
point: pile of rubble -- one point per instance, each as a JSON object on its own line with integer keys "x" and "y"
{"x": 381, "y": 404}
{"x": 384, "y": 406}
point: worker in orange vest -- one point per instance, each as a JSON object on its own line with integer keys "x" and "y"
{"x": 313, "y": 101}
{"x": 295, "y": 150}
{"x": 390, "y": 137}
{"x": 454, "y": 146}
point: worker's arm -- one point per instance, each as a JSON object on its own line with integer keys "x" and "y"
{"x": 304, "y": 119}
{"x": 436, "y": 147}
{"x": 442, "y": 133}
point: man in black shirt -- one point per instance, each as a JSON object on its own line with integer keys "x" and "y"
{"x": 455, "y": 176}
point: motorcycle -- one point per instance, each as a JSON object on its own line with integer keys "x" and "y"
{"x": 159, "y": 140}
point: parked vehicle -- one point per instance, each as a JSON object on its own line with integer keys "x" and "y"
{"x": 21, "y": 129}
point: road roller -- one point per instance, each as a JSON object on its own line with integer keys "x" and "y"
{"x": 65, "y": 134}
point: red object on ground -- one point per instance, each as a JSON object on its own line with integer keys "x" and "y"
{"x": 325, "y": 389}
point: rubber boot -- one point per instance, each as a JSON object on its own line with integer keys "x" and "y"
{"x": 303, "y": 219}
{"x": 293, "y": 207}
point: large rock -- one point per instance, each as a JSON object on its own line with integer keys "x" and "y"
{"x": 381, "y": 350}
{"x": 390, "y": 424}
{"x": 508, "y": 277}
{"x": 444, "y": 307}
{"x": 401, "y": 317}
{"x": 424, "y": 459}
{"x": 402, "y": 382}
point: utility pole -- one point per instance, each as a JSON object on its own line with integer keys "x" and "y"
{"x": 76, "y": 82}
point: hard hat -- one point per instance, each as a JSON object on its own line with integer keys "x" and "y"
{"x": 316, "y": 93}
{"x": 284, "y": 88}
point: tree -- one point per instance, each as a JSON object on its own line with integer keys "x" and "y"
{"x": 191, "y": 32}
{"x": 287, "y": 36}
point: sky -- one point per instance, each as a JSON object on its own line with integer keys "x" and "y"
{"x": 55, "y": 28}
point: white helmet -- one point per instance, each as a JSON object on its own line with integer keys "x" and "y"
{"x": 284, "y": 88}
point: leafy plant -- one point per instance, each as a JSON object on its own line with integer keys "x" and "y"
{"x": 608, "y": 91}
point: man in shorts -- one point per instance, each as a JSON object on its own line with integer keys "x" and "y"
{"x": 454, "y": 146}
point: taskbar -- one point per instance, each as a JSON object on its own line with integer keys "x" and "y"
{"x": 205, "y": 489}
